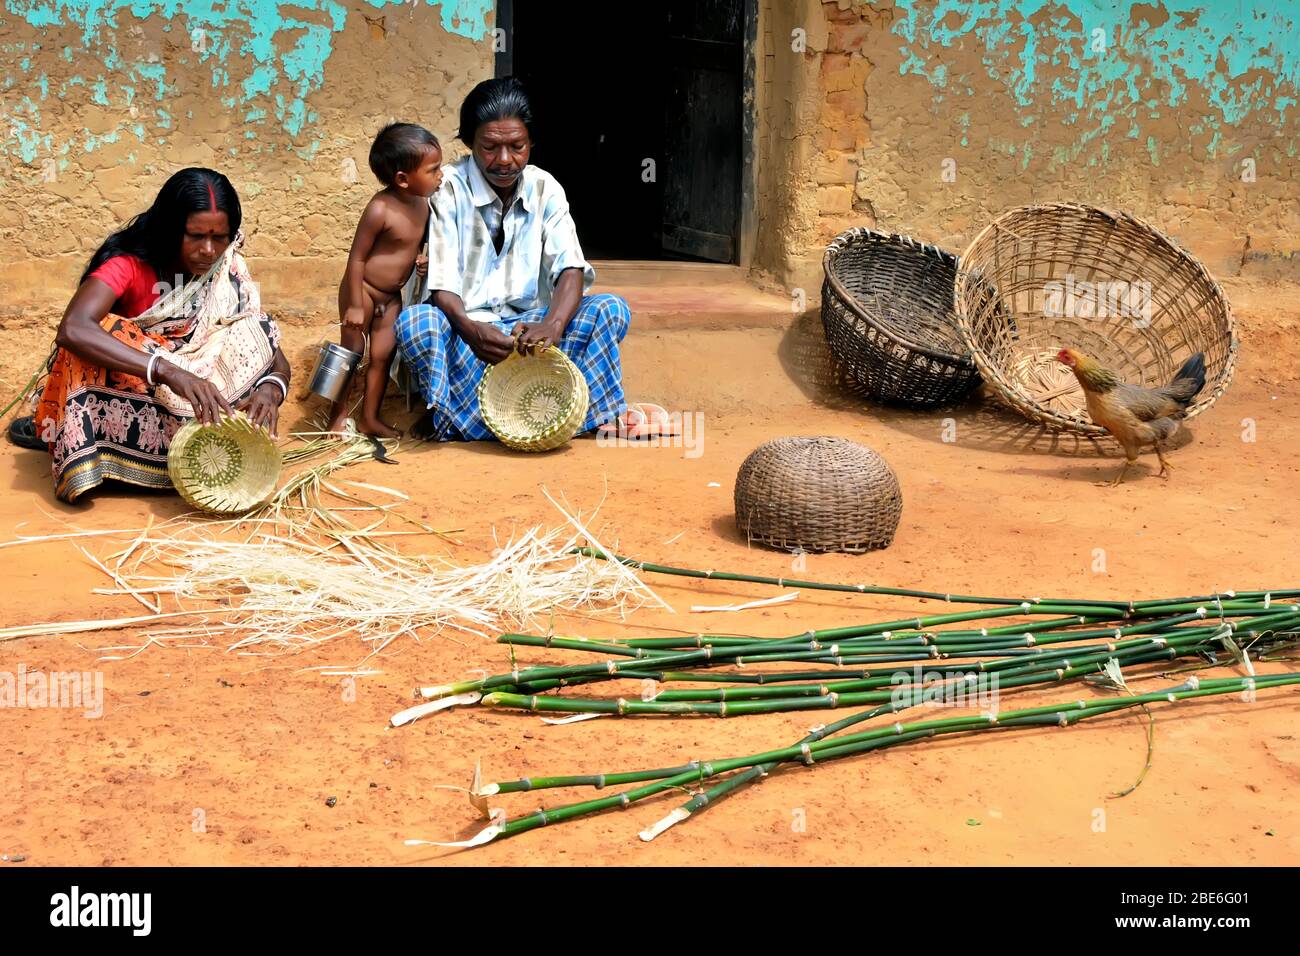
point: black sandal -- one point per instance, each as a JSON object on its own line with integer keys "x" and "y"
{"x": 22, "y": 432}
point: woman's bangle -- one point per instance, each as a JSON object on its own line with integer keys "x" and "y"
{"x": 278, "y": 382}
{"x": 148, "y": 370}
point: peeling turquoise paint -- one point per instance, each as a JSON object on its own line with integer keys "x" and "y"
{"x": 280, "y": 47}
{"x": 1240, "y": 57}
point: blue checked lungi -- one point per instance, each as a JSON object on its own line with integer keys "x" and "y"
{"x": 447, "y": 372}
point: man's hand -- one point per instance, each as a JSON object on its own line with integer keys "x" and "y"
{"x": 488, "y": 342}
{"x": 262, "y": 406}
{"x": 534, "y": 336}
{"x": 204, "y": 397}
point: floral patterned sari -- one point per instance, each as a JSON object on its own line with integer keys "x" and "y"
{"x": 102, "y": 424}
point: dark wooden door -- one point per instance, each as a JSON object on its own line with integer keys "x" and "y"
{"x": 702, "y": 145}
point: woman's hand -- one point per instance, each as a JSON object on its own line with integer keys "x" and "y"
{"x": 534, "y": 336}
{"x": 203, "y": 396}
{"x": 488, "y": 342}
{"x": 262, "y": 406}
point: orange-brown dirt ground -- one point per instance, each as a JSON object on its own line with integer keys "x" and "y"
{"x": 259, "y": 744}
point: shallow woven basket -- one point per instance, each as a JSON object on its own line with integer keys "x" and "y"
{"x": 817, "y": 494}
{"x": 534, "y": 402}
{"x": 226, "y": 468}
{"x": 1103, "y": 283}
{"x": 887, "y": 314}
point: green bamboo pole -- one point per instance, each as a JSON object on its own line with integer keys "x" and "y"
{"x": 1182, "y": 645}
{"x": 815, "y": 585}
{"x": 1064, "y": 714}
{"x": 906, "y": 592}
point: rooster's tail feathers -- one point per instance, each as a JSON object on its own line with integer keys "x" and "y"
{"x": 1189, "y": 381}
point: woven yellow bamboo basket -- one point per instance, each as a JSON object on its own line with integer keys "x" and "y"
{"x": 226, "y": 468}
{"x": 1105, "y": 283}
{"x": 534, "y": 402}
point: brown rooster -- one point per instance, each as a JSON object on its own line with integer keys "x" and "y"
{"x": 1136, "y": 416}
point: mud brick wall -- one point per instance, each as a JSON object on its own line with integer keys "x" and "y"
{"x": 931, "y": 116}
{"x": 920, "y": 116}
{"x": 102, "y": 99}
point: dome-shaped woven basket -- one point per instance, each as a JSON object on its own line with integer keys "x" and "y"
{"x": 1103, "y": 283}
{"x": 226, "y": 468}
{"x": 817, "y": 494}
{"x": 534, "y": 402}
{"x": 887, "y": 314}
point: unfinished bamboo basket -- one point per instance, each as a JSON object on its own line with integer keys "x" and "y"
{"x": 817, "y": 494}
{"x": 887, "y": 315}
{"x": 534, "y": 402}
{"x": 1104, "y": 283}
{"x": 227, "y": 468}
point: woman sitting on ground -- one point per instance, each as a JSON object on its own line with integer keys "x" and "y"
{"x": 165, "y": 326}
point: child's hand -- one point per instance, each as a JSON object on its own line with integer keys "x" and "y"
{"x": 354, "y": 317}
{"x": 422, "y": 266}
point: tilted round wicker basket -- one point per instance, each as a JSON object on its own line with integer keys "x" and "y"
{"x": 817, "y": 494}
{"x": 226, "y": 468}
{"x": 534, "y": 402}
{"x": 887, "y": 314}
{"x": 1103, "y": 283}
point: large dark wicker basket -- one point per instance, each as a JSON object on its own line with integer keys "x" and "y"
{"x": 887, "y": 312}
{"x": 817, "y": 494}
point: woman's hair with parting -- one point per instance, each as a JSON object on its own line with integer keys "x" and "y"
{"x": 398, "y": 148}
{"x": 498, "y": 99}
{"x": 155, "y": 235}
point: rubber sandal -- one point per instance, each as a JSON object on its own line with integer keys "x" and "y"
{"x": 659, "y": 424}
{"x": 22, "y": 432}
{"x": 627, "y": 425}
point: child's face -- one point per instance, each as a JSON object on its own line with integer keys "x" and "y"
{"x": 425, "y": 179}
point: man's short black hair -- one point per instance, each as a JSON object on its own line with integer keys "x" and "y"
{"x": 398, "y": 148}
{"x": 502, "y": 98}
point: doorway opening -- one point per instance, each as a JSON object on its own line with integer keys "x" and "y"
{"x": 643, "y": 123}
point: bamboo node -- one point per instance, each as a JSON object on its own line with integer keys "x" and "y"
{"x": 532, "y": 702}
{"x": 624, "y": 801}
{"x": 706, "y": 770}
{"x": 1193, "y": 683}
{"x": 1062, "y": 720}
{"x": 1029, "y": 640}
{"x": 807, "y": 755}
{"x": 1201, "y": 612}
{"x": 611, "y": 667}
{"x": 722, "y": 708}
{"x": 622, "y": 706}
{"x": 898, "y": 727}
{"x": 528, "y": 783}
{"x": 1026, "y": 606}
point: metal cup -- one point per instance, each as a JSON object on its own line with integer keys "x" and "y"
{"x": 334, "y": 367}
